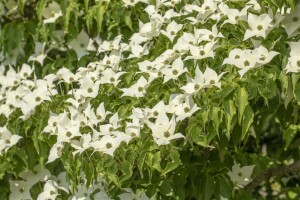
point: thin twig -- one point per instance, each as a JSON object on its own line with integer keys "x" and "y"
{"x": 285, "y": 170}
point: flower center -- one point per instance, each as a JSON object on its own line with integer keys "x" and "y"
{"x": 186, "y": 109}
{"x": 132, "y": 134}
{"x": 112, "y": 79}
{"x": 197, "y": 87}
{"x": 140, "y": 89}
{"x": 246, "y": 63}
{"x": 202, "y": 52}
{"x": 108, "y": 145}
{"x": 237, "y": 57}
{"x": 38, "y": 99}
{"x": 263, "y": 58}
{"x": 175, "y": 72}
{"x": 259, "y": 27}
{"x": 68, "y": 134}
{"x": 155, "y": 113}
{"x": 90, "y": 90}
{"x": 172, "y": 32}
{"x": 298, "y": 63}
{"x": 212, "y": 82}
{"x": 166, "y": 134}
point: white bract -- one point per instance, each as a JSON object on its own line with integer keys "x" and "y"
{"x": 80, "y": 44}
{"x": 138, "y": 89}
{"x": 259, "y": 25}
{"x": 172, "y": 29}
{"x": 52, "y": 12}
{"x": 7, "y": 139}
{"x": 241, "y": 175}
{"x": 163, "y": 130}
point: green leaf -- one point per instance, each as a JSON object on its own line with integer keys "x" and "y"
{"x": 174, "y": 154}
{"x": 289, "y": 94}
{"x": 207, "y": 187}
{"x": 230, "y": 111}
{"x": 40, "y": 7}
{"x": 267, "y": 89}
{"x": 242, "y": 102}
{"x": 289, "y": 134}
{"x": 247, "y": 120}
{"x": 127, "y": 171}
{"x": 99, "y": 16}
{"x": 297, "y": 92}
{"x": 225, "y": 188}
{"x": 128, "y": 21}
{"x": 165, "y": 188}
{"x": 21, "y": 4}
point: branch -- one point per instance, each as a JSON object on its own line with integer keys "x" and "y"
{"x": 292, "y": 168}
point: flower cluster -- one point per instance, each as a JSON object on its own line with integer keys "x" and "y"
{"x": 108, "y": 100}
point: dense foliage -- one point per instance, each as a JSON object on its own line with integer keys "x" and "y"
{"x": 145, "y": 99}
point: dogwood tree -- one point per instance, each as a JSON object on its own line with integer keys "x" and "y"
{"x": 149, "y": 99}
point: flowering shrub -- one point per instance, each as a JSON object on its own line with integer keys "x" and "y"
{"x": 144, "y": 99}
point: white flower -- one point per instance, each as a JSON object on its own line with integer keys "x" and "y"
{"x": 202, "y": 51}
{"x": 25, "y": 71}
{"x": 38, "y": 174}
{"x": 133, "y": 128}
{"x": 7, "y": 139}
{"x": 82, "y": 144}
{"x": 110, "y": 45}
{"x": 88, "y": 88}
{"x": 163, "y": 131}
{"x": 187, "y": 109}
{"x": 172, "y": 30}
{"x": 291, "y": 22}
{"x": 259, "y": 25}
{"x": 150, "y": 29}
{"x": 233, "y": 15}
{"x": 55, "y": 152}
{"x": 174, "y": 71}
{"x": 52, "y": 12}
{"x": 241, "y": 175}
{"x": 138, "y": 89}
{"x": 264, "y": 56}
{"x": 19, "y": 190}
{"x": 66, "y": 75}
{"x": 243, "y": 59}
{"x": 95, "y": 117}
{"x": 196, "y": 84}
{"x": 15, "y": 97}
{"x": 107, "y": 144}
{"x": 138, "y": 51}
{"x": 80, "y": 44}
{"x": 293, "y": 64}
{"x": 39, "y": 53}
{"x": 50, "y": 191}
{"x": 62, "y": 181}
{"x": 110, "y": 77}
{"x": 159, "y": 108}
{"x": 207, "y": 35}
